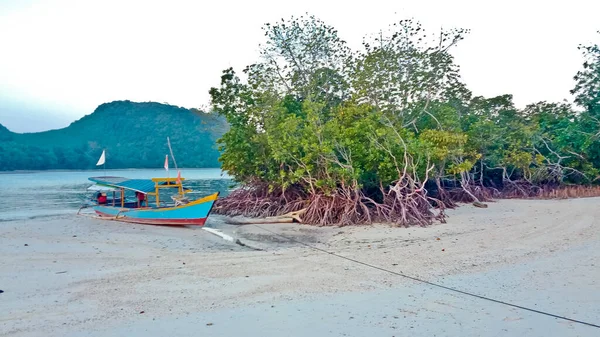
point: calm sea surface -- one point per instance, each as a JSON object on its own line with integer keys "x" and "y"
{"x": 38, "y": 194}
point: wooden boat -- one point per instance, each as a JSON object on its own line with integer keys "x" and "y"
{"x": 143, "y": 210}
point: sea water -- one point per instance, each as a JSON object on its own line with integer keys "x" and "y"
{"x": 28, "y": 195}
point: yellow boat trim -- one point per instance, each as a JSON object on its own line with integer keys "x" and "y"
{"x": 162, "y": 180}
{"x": 208, "y": 198}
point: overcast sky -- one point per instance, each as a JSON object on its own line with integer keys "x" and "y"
{"x": 60, "y": 59}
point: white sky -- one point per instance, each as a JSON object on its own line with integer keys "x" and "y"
{"x": 60, "y": 59}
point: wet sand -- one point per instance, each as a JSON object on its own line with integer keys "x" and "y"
{"x": 84, "y": 277}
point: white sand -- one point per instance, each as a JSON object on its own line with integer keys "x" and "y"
{"x": 538, "y": 253}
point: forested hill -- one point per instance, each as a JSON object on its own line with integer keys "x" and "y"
{"x": 133, "y": 134}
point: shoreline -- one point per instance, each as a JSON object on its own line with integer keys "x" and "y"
{"x": 102, "y": 170}
{"x": 84, "y": 277}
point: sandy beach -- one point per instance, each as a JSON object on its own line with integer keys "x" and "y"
{"x": 75, "y": 276}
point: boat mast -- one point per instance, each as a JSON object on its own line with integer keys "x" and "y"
{"x": 171, "y": 151}
{"x": 175, "y": 163}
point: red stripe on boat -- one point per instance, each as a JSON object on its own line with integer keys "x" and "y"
{"x": 169, "y": 222}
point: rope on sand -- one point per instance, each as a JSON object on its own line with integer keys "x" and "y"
{"x": 594, "y": 325}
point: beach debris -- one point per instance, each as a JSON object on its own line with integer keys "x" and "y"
{"x": 74, "y": 236}
{"x": 438, "y": 239}
{"x": 284, "y": 218}
{"x": 443, "y": 249}
{"x": 209, "y": 324}
{"x": 141, "y": 312}
{"x": 480, "y": 204}
{"x": 1, "y": 291}
{"x": 61, "y": 272}
{"x": 25, "y": 245}
{"x": 219, "y": 233}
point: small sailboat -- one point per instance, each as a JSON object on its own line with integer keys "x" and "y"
{"x": 147, "y": 206}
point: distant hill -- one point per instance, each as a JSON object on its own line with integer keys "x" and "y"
{"x": 133, "y": 134}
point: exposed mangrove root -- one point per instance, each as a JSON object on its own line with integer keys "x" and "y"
{"x": 524, "y": 190}
{"x": 259, "y": 202}
{"x": 520, "y": 190}
{"x": 478, "y": 194}
{"x": 566, "y": 192}
{"x": 527, "y": 190}
{"x": 443, "y": 196}
{"x": 402, "y": 204}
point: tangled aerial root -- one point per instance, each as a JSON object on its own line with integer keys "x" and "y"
{"x": 565, "y": 192}
{"x": 398, "y": 204}
{"x": 517, "y": 190}
{"x": 401, "y": 206}
{"x": 526, "y": 190}
{"x": 258, "y": 201}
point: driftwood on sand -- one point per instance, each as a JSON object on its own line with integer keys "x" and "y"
{"x": 285, "y": 218}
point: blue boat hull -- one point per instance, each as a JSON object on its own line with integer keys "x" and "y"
{"x": 193, "y": 213}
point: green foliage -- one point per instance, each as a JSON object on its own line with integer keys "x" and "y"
{"x": 316, "y": 115}
{"x": 133, "y": 134}
{"x": 587, "y": 88}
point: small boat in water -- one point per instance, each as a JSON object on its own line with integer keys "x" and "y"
{"x": 146, "y": 207}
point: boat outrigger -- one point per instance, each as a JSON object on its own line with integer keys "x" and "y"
{"x": 141, "y": 209}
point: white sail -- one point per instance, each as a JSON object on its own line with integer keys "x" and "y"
{"x": 102, "y": 159}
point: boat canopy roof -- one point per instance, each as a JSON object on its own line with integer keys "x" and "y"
{"x": 138, "y": 185}
{"x": 101, "y": 188}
